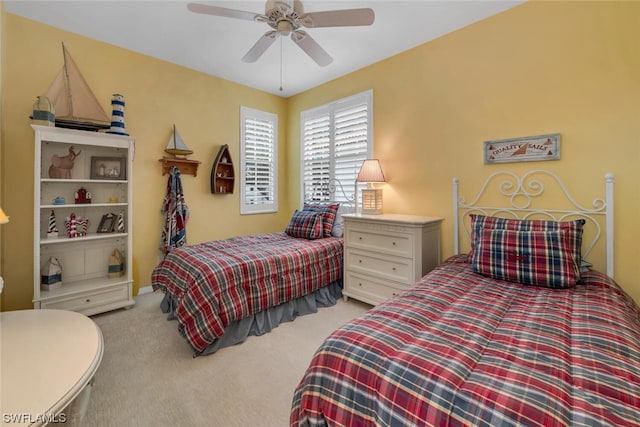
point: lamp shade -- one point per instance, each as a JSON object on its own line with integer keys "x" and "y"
{"x": 370, "y": 171}
{"x": 3, "y": 217}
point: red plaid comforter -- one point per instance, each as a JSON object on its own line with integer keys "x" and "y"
{"x": 462, "y": 350}
{"x": 219, "y": 282}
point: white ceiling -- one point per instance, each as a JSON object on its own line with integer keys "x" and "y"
{"x": 165, "y": 29}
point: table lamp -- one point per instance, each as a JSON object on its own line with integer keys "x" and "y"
{"x": 371, "y": 197}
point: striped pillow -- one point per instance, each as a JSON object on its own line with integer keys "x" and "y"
{"x": 306, "y": 225}
{"x": 573, "y": 230}
{"x": 539, "y": 258}
{"x": 328, "y": 215}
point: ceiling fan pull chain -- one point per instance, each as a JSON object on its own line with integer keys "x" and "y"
{"x": 281, "y": 50}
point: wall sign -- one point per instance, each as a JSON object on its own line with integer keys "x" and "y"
{"x": 526, "y": 149}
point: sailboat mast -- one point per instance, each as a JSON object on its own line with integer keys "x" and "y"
{"x": 67, "y": 86}
{"x": 175, "y": 143}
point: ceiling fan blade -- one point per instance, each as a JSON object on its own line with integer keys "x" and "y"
{"x": 338, "y": 18}
{"x": 260, "y": 47}
{"x": 311, "y": 47}
{"x": 223, "y": 11}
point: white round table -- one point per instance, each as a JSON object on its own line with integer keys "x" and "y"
{"x": 47, "y": 358}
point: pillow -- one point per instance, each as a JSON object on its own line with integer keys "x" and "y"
{"x": 539, "y": 258}
{"x": 304, "y": 224}
{"x": 338, "y": 224}
{"x": 573, "y": 230}
{"x": 328, "y": 215}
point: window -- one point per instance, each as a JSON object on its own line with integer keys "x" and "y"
{"x": 259, "y": 161}
{"x": 336, "y": 138}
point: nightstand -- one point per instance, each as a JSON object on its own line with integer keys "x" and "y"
{"x": 384, "y": 254}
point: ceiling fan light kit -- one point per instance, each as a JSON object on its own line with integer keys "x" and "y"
{"x": 285, "y": 17}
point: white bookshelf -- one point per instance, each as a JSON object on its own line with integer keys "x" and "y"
{"x": 86, "y": 285}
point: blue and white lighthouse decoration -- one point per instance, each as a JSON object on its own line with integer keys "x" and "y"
{"x": 117, "y": 115}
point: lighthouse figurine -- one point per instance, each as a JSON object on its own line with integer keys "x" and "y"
{"x": 120, "y": 226}
{"x": 52, "y": 230}
{"x": 117, "y": 115}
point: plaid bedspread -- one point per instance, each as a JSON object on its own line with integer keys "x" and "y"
{"x": 457, "y": 349}
{"x": 222, "y": 281}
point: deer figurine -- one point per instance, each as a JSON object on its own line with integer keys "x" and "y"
{"x": 61, "y": 166}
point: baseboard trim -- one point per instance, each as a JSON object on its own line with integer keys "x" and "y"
{"x": 145, "y": 290}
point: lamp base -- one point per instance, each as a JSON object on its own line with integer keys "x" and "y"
{"x": 372, "y": 201}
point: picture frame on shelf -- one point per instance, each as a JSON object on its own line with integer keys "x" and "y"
{"x": 107, "y": 223}
{"x": 108, "y": 168}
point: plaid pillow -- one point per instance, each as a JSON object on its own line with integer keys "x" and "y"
{"x": 328, "y": 215}
{"x": 307, "y": 225}
{"x": 573, "y": 230}
{"x": 539, "y": 258}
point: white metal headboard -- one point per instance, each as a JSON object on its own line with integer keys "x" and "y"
{"x": 524, "y": 202}
{"x": 332, "y": 191}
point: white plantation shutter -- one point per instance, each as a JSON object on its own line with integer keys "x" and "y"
{"x": 336, "y": 139}
{"x": 258, "y": 147}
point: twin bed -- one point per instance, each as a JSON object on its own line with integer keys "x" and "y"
{"x": 517, "y": 331}
{"x": 223, "y": 291}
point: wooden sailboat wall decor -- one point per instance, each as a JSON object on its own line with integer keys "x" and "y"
{"x": 179, "y": 150}
{"x": 76, "y": 107}
{"x": 222, "y": 175}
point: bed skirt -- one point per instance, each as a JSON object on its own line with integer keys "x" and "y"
{"x": 267, "y": 320}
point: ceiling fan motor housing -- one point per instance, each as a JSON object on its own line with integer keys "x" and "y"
{"x": 286, "y": 6}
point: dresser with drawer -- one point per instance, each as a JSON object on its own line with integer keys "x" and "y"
{"x": 384, "y": 254}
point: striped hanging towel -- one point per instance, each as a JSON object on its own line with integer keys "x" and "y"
{"x": 176, "y": 214}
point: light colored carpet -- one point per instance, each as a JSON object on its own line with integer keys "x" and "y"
{"x": 148, "y": 376}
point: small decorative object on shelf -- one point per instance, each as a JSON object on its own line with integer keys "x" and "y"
{"x": 82, "y": 196}
{"x": 222, "y": 175}
{"x": 107, "y": 223}
{"x": 120, "y": 225}
{"x": 51, "y": 275}
{"x": 76, "y": 226}
{"x": 117, "y": 115}
{"x": 59, "y": 201}
{"x": 108, "y": 168}
{"x": 178, "y": 150}
{"x": 61, "y": 166}
{"x": 44, "y": 113}
{"x": 52, "y": 230}
{"x": 116, "y": 264}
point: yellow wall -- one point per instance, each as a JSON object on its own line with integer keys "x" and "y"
{"x": 543, "y": 67}
{"x": 2, "y": 180}
{"x": 205, "y": 109}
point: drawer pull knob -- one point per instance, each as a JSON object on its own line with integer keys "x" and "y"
{"x": 360, "y": 261}
{"x": 394, "y": 269}
{"x": 359, "y": 284}
{"x": 88, "y": 300}
{"x": 394, "y": 243}
{"x": 360, "y": 238}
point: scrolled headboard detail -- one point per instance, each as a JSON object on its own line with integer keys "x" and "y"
{"x": 537, "y": 194}
{"x": 329, "y": 192}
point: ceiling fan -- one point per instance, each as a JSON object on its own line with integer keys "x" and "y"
{"x": 286, "y": 17}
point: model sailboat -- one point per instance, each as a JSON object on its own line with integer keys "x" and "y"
{"x": 75, "y": 104}
{"x": 178, "y": 150}
{"x": 176, "y": 145}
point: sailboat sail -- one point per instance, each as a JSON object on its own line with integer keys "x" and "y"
{"x": 72, "y": 98}
{"x": 176, "y": 144}
{"x": 522, "y": 150}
